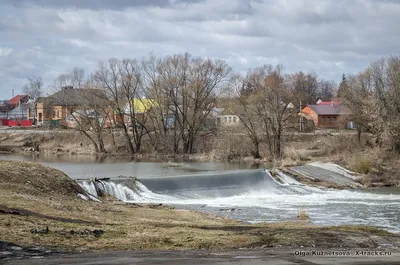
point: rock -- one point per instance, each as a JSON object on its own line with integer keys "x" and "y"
{"x": 4, "y": 254}
{"x": 98, "y": 232}
{"x": 40, "y": 231}
{"x": 85, "y": 232}
{"x": 229, "y": 210}
{"x": 16, "y": 248}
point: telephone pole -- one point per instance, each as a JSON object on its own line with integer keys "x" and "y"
{"x": 301, "y": 118}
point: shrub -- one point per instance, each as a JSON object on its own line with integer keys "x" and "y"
{"x": 293, "y": 156}
{"x": 362, "y": 164}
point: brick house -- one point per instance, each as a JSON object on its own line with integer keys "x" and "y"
{"x": 328, "y": 115}
{"x": 59, "y": 106}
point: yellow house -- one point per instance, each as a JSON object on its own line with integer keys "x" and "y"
{"x": 143, "y": 105}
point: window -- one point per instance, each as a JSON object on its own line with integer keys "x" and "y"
{"x": 234, "y": 119}
{"x": 58, "y": 114}
{"x": 226, "y": 119}
{"x": 54, "y": 114}
{"x": 323, "y": 120}
{"x": 230, "y": 119}
{"x": 334, "y": 120}
{"x": 328, "y": 120}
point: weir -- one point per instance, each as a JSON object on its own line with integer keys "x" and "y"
{"x": 213, "y": 185}
{"x": 255, "y": 196}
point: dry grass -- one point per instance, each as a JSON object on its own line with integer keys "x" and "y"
{"x": 294, "y": 157}
{"x": 34, "y": 179}
{"x": 131, "y": 227}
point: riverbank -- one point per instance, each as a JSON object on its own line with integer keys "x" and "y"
{"x": 380, "y": 167}
{"x": 40, "y": 206}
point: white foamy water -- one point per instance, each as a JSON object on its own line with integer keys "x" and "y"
{"x": 269, "y": 204}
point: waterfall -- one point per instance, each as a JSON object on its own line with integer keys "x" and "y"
{"x": 119, "y": 191}
{"x": 89, "y": 188}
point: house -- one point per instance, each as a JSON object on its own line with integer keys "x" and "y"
{"x": 223, "y": 112}
{"x": 227, "y": 117}
{"x": 18, "y": 99}
{"x": 59, "y": 106}
{"x": 15, "y": 108}
{"x": 328, "y": 114}
{"x": 4, "y": 111}
{"x": 140, "y": 106}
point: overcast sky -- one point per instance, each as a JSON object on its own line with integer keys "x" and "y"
{"x": 330, "y": 37}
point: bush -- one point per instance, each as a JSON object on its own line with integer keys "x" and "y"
{"x": 362, "y": 164}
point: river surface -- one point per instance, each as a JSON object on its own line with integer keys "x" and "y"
{"x": 239, "y": 191}
{"x": 86, "y": 167}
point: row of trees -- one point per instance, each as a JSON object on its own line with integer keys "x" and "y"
{"x": 373, "y": 96}
{"x": 183, "y": 90}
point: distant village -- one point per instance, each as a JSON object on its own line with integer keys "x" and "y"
{"x": 22, "y": 111}
{"x": 174, "y": 104}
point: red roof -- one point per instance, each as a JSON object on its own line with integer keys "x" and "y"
{"x": 325, "y": 109}
{"x": 15, "y": 100}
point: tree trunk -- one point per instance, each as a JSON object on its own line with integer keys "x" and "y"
{"x": 256, "y": 150}
{"x": 102, "y": 149}
{"x": 131, "y": 150}
{"x": 185, "y": 146}
{"x": 277, "y": 150}
{"x": 138, "y": 145}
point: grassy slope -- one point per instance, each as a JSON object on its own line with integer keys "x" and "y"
{"x": 47, "y": 191}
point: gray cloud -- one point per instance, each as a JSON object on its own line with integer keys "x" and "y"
{"x": 329, "y": 37}
{"x": 97, "y": 4}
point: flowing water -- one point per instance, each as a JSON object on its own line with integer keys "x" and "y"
{"x": 231, "y": 190}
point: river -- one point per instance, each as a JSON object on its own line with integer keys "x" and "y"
{"x": 236, "y": 190}
{"x": 86, "y": 166}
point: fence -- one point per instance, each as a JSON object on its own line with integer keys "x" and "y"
{"x": 26, "y": 123}
{"x": 15, "y": 123}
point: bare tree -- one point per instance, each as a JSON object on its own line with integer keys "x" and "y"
{"x": 77, "y": 77}
{"x": 84, "y": 105}
{"x": 305, "y": 85}
{"x": 185, "y": 88}
{"x": 326, "y": 89}
{"x": 91, "y": 113}
{"x": 34, "y": 87}
{"x": 60, "y": 81}
{"x": 266, "y": 107}
{"x": 122, "y": 83}
{"x": 108, "y": 76}
{"x": 162, "y": 117}
{"x": 374, "y": 99}
{"x": 247, "y": 111}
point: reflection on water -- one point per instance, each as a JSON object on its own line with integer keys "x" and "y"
{"x": 86, "y": 166}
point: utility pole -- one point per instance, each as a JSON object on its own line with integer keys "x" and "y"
{"x": 13, "y": 93}
{"x": 301, "y": 118}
